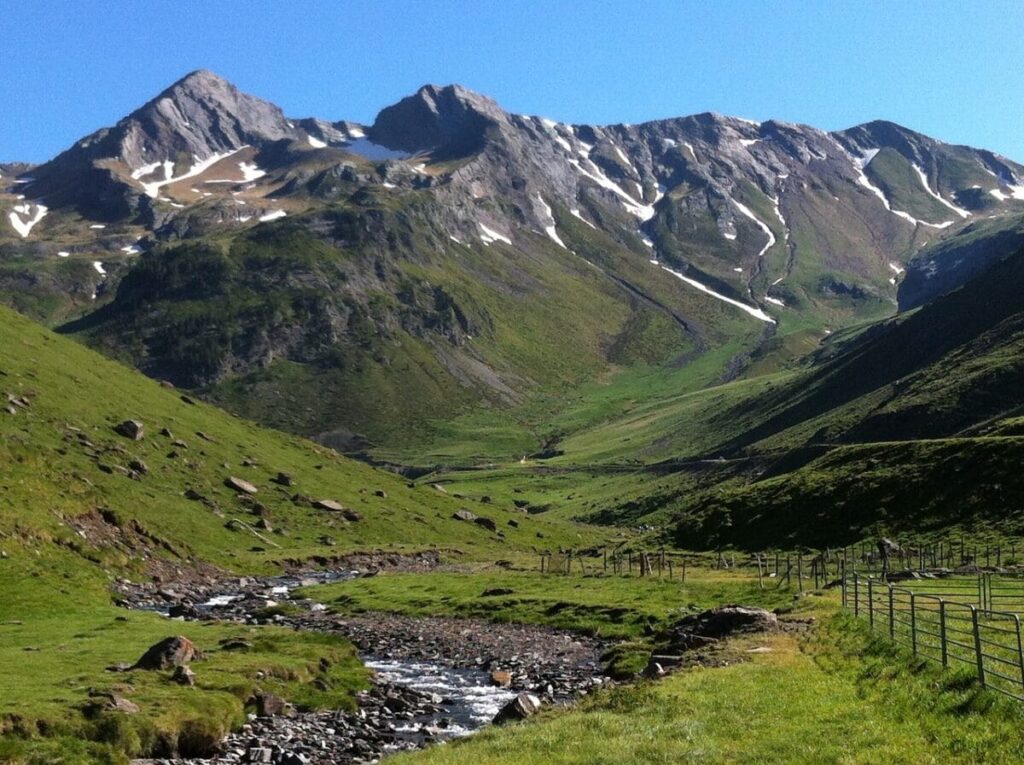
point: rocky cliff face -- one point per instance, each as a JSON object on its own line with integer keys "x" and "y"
{"x": 447, "y": 207}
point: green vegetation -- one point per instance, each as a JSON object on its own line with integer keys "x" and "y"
{"x": 837, "y": 696}
{"x": 619, "y": 607}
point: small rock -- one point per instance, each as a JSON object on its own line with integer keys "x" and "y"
{"x": 501, "y": 678}
{"x": 381, "y": 493}
{"x": 464, "y": 515}
{"x": 184, "y": 676}
{"x": 487, "y": 523}
{"x": 284, "y": 479}
{"x": 329, "y": 504}
{"x": 240, "y": 485}
{"x": 269, "y": 705}
{"x": 132, "y": 429}
{"x": 522, "y": 706}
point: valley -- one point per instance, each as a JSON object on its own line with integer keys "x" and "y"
{"x": 465, "y": 435}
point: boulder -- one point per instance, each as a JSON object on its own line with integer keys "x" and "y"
{"x": 111, "y": 702}
{"x": 464, "y": 515}
{"x": 284, "y": 479}
{"x": 329, "y": 504}
{"x": 351, "y": 515}
{"x": 132, "y": 429}
{"x": 169, "y": 652}
{"x": 381, "y": 493}
{"x": 522, "y": 706}
{"x": 240, "y": 485}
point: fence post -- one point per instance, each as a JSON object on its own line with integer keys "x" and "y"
{"x": 1020, "y": 648}
{"x": 942, "y": 633}
{"x": 856, "y": 594}
{"x": 892, "y": 622}
{"x": 977, "y": 646}
{"x": 871, "y": 603}
{"x": 913, "y": 624}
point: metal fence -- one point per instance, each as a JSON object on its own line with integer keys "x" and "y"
{"x": 954, "y": 621}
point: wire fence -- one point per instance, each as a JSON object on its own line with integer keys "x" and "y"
{"x": 971, "y": 621}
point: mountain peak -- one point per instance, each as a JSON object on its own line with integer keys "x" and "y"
{"x": 447, "y": 119}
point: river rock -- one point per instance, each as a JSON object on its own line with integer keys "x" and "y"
{"x": 522, "y": 706}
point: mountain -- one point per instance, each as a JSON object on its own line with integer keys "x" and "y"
{"x": 367, "y": 283}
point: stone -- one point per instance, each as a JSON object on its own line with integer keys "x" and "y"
{"x": 284, "y": 479}
{"x": 183, "y": 611}
{"x": 269, "y": 705}
{"x": 653, "y": 670}
{"x": 501, "y": 678}
{"x": 464, "y": 515}
{"x": 329, "y": 504}
{"x": 184, "y": 676}
{"x": 522, "y": 706}
{"x": 440, "y": 488}
{"x": 138, "y": 466}
{"x": 513, "y": 523}
{"x": 240, "y": 485}
{"x": 381, "y": 493}
{"x": 351, "y": 515}
{"x": 111, "y": 702}
{"x": 132, "y": 429}
{"x": 487, "y": 523}
{"x": 169, "y": 652}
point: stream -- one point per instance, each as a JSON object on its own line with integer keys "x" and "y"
{"x": 433, "y": 676}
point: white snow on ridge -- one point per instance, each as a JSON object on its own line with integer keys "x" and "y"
{"x": 356, "y": 132}
{"x": 152, "y": 188}
{"x": 250, "y": 171}
{"x": 63, "y": 254}
{"x": 275, "y": 215}
{"x": 98, "y": 265}
{"x": 775, "y": 301}
{"x": 549, "y": 227}
{"x": 489, "y": 236}
{"x": 748, "y": 142}
{"x": 316, "y": 143}
{"x": 576, "y": 211}
{"x": 24, "y": 227}
{"x": 757, "y": 313}
{"x": 642, "y": 211}
{"x": 760, "y": 224}
{"x": 924, "y": 182}
{"x": 896, "y": 268}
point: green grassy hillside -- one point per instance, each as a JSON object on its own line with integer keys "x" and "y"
{"x": 82, "y": 504}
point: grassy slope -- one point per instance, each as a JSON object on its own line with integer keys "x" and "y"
{"x": 57, "y": 628}
{"x": 826, "y": 701}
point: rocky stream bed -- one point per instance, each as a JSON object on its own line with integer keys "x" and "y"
{"x": 435, "y": 678}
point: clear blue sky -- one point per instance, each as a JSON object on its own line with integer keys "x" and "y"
{"x": 949, "y": 69}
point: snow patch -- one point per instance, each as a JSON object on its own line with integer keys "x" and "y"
{"x": 98, "y": 265}
{"x": 316, "y": 143}
{"x": 760, "y": 224}
{"x": 642, "y": 211}
{"x": 775, "y": 301}
{"x": 24, "y": 225}
{"x": 924, "y": 182}
{"x": 275, "y": 215}
{"x": 63, "y": 254}
{"x": 757, "y": 313}
{"x": 97, "y": 226}
{"x": 576, "y": 212}
{"x": 489, "y": 236}
{"x": 199, "y": 166}
{"x": 896, "y": 268}
{"x": 549, "y": 219}
{"x": 250, "y": 171}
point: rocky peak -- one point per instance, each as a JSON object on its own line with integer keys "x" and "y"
{"x": 448, "y": 120}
